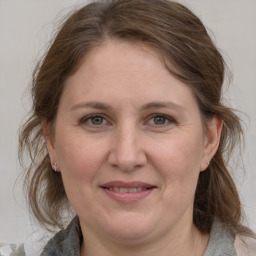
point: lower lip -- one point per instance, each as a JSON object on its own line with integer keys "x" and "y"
{"x": 128, "y": 197}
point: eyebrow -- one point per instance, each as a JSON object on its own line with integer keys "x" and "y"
{"x": 92, "y": 104}
{"x": 166, "y": 104}
{"x": 148, "y": 106}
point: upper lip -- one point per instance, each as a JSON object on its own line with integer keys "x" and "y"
{"x": 122, "y": 184}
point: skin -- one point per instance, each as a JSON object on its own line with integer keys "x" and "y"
{"x": 147, "y": 128}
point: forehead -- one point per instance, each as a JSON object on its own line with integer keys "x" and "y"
{"x": 122, "y": 69}
{"x": 120, "y": 57}
{"x": 123, "y": 56}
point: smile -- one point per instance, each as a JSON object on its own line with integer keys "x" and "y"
{"x": 127, "y": 192}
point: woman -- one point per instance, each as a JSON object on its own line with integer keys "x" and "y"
{"x": 128, "y": 129}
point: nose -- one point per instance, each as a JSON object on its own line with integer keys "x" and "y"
{"x": 127, "y": 153}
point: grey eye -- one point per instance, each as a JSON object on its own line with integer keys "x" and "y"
{"x": 96, "y": 120}
{"x": 159, "y": 120}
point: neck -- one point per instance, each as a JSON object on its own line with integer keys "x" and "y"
{"x": 189, "y": 241}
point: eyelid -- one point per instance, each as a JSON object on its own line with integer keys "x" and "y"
{"x": 167, "y": 117}
{"x": 84, "y": 120}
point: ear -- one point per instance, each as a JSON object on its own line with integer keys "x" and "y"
{"x": 212, "y": 140}
{"x": 49, "y": 138}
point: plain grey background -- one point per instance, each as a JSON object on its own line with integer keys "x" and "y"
{"x": 26, "y": 28}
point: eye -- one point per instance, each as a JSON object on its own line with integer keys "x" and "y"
{"x": 94, "y": 120}
{"x": 160, "y": 120}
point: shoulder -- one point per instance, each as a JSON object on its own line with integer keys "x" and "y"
{"x": 28, "y": 248}
{"x": 245, "y": 246}
{"x": 67, "y": 240}
{"x": 221, "y": 241}
{"x": 12, "y": 250}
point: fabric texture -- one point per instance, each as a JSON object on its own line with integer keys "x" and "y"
{"x": 221, "y": 241}
{"x": 245, "y": 246}
{"x": 68, "y": 241}
{"x": 12, "y": 250}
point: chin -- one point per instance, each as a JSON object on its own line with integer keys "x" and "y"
{"x": 131, "y": 230}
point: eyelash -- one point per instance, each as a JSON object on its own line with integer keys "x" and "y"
{"x": 85, "y": 120}
{"x": 166, "y": 118}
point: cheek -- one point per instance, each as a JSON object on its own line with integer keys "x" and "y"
{"x": 178, "y": 162}
{"x": 180, "y": 152}
{"x": 79, "y": 162}
{"x": 76, "y": 153}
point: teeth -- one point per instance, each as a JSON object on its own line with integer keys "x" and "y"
{"x": 124, "y": 190}
{"x": 127, "y": 190}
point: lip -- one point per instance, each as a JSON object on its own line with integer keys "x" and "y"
{"x": 127, "y": 197}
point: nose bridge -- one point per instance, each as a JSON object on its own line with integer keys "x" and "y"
{"x": 127, "y": 152}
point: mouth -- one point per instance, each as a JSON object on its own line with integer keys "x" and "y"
{"x": 127, "y": 187}
{"x": 127, "y": 192}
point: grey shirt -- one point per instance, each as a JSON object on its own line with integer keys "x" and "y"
{"x": 68, "y": 241}
{"x": 221, "y": 241}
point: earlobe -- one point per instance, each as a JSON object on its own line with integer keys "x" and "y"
{"x": 49, "y": 141}
{"x": 212, "y": 140}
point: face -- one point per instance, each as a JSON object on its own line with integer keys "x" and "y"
{"x": 129, "y": 144}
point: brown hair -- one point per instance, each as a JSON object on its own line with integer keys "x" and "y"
{"x": 180, "y": 37}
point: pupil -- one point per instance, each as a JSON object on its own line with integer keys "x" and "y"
{"x": 159, "y": 120}
{"x": 97, "y": 120}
